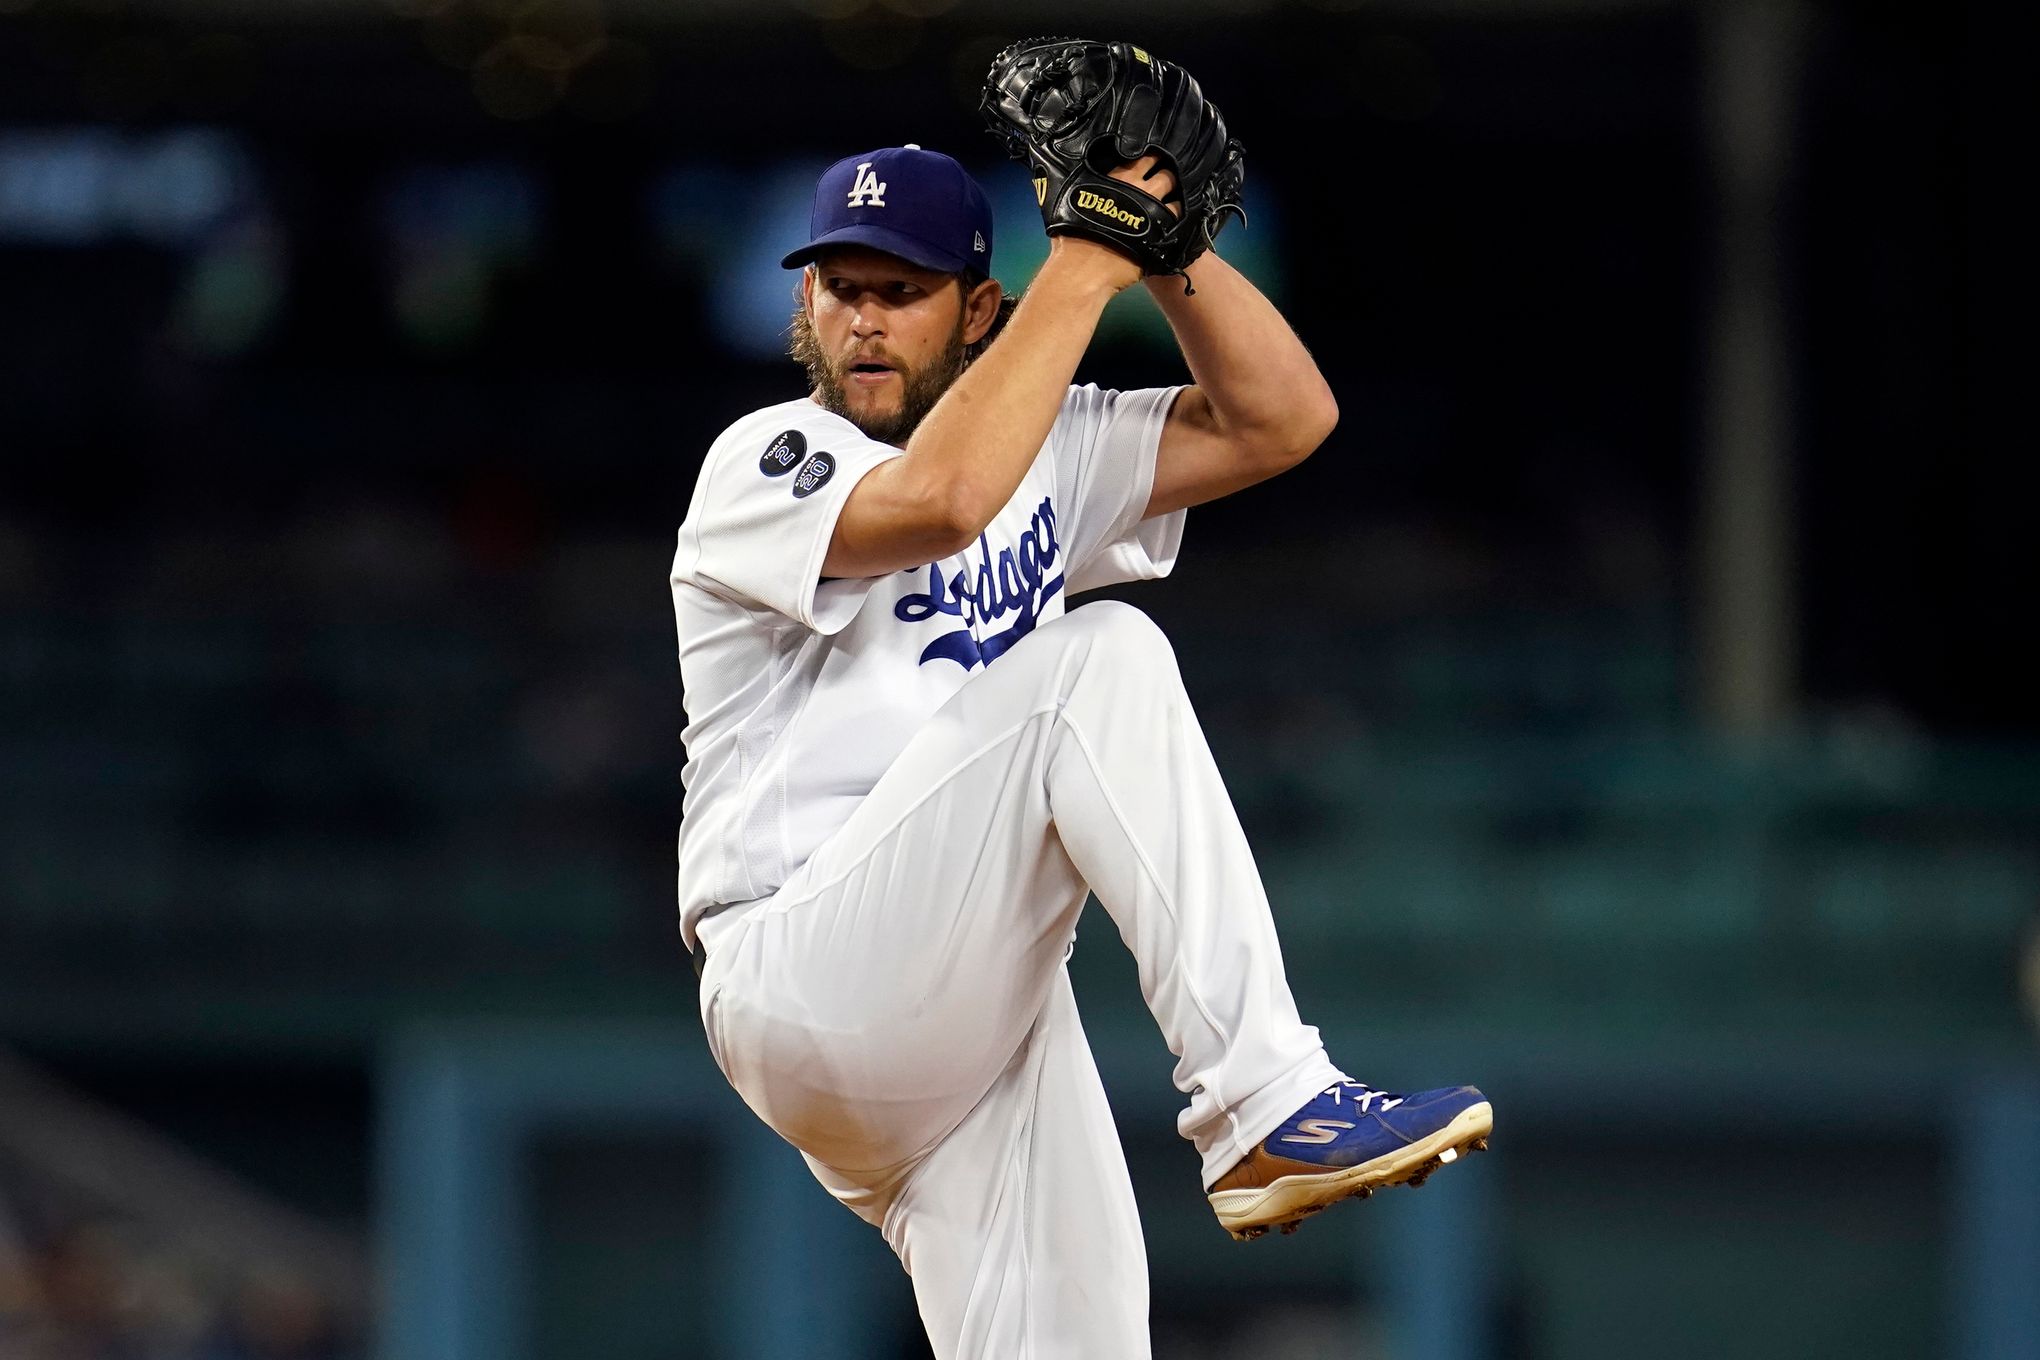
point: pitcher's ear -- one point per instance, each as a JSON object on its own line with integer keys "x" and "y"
{"x": 980, "y": 308}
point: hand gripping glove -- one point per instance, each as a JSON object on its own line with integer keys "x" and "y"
{"x": 1073, "y": 110}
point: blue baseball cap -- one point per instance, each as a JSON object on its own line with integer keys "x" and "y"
{"x": 919, "y": 205}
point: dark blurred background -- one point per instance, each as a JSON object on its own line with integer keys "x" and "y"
{"x": 1632, "y": 705}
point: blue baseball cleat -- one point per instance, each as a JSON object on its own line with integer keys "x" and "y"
{"x": 1351, "y": 1140}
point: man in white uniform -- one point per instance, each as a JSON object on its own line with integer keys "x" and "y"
{"x": 908, "y": 761}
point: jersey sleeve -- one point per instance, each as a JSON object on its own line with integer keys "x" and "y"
{"x": 1105, "y": 446}
{"x": 765, "y": 509}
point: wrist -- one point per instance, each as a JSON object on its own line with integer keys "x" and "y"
{"x": 1169, "y": 287}
{"x": 1090, "y": 264}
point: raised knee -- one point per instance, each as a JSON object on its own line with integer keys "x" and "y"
{"x": 1122, "y": 629}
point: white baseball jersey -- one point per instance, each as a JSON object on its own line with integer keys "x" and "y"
{"x": 800, "y": 692}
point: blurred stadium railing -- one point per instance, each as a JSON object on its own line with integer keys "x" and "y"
{"x": 115, "y": 1244}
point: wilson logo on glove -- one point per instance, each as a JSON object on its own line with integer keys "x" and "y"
{"x": 1105, "y": 207}
{"x": 1073, "y": 110}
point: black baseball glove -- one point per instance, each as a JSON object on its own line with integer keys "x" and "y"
{"x": 1073, "y": 110}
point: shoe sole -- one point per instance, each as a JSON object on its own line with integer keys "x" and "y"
{"x": 1248, "y": 1214}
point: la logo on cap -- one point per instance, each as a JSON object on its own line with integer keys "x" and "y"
{"x": 867, "y": 189}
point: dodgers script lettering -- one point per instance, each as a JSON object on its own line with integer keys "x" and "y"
{"x": 1014, "y": 581}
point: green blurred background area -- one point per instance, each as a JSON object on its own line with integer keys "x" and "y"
{"x": 1632, "y": 706}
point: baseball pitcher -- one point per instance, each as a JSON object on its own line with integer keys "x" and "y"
{"x": 909, "y": 759}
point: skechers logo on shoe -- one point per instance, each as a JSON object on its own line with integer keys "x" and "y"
{"x": 1316, "y": 1132}
{"x": 1087, "y": 201}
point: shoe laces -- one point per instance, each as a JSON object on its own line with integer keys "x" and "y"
{"x": 1364, "y": 1097}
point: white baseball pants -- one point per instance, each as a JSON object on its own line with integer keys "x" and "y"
{"x": 900, "y": 1012}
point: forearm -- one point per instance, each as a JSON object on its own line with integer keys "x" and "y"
{"x": 1262, "y": 384}
{"x": 981, "y": 437}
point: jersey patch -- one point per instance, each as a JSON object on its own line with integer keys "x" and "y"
{"x": 814, "y": 475}
{"x": 783, "y": 454}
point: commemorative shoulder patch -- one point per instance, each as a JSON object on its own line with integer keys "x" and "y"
{"x": 783, "y": 454}
{"x": 814, "y": 475}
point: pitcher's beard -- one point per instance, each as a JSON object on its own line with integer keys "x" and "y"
{"x": 920, "y": 388}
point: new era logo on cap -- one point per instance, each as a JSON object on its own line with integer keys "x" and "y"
{"x": 904, "y": 200}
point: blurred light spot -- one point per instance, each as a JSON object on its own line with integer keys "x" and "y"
{"x": 442, "y": 298}
{"x": 508, "y": 86}
{"x": 569, "y": 32}
{"x": 60, "y": 187}
{"x": 540, "y": 53}
{"x": 451, "y": 229}
{"x": 615, "y": 84}
{"x": 187, "y": 181}
{"x": 86, "y": 186}
{"x": 689, "y": 231}
{"x": 233, "y": 292}
{"x": 751, "y": 297}
{"x": 493, "y": 206}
